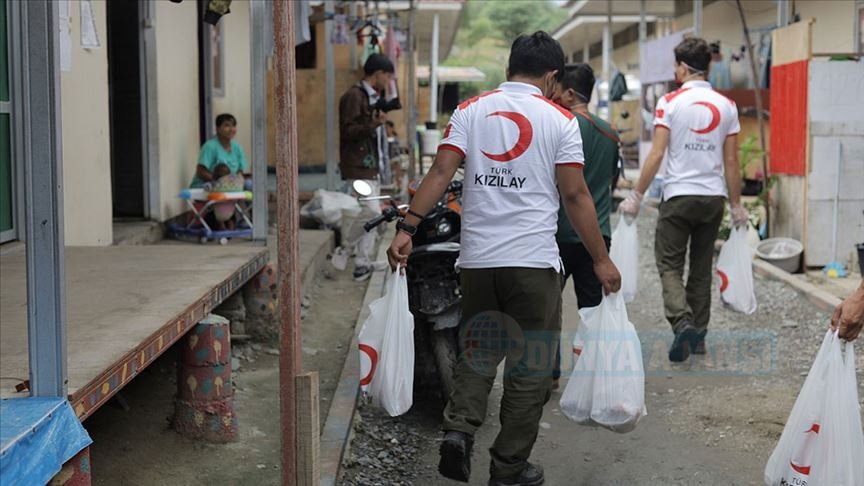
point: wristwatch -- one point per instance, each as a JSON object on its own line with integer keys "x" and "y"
{"x": 409, "y": 229}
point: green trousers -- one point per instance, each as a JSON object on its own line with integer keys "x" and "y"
{"x": 511, "y": 314}
{"x": 683, "y": 221}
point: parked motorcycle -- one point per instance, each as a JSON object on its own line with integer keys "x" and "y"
{"x": 434, "y": 294}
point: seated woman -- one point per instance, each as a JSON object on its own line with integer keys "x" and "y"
{"x": 221, "y": 156}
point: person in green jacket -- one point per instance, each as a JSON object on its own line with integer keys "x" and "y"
{"x": 600, "y": 145}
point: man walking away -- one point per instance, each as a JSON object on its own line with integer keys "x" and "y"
{"x": 600, "y": 145}
{"x": 699, "y": 128}
{"x": 516, "y": 145}
{"x": 359, "y": 143}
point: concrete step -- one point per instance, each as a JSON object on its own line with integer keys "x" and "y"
{"x": 137, "y": 233}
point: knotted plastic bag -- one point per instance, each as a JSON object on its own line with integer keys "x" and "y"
{"x": 386, "y": 343}
{"x": 607, "y": 384}
{"x": 624, "y": 253}
{"x": 735, "y": 268}
{"x": 822, "y": 443}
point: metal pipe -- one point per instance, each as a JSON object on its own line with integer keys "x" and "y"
{"x": 258, "y": 16}
{"x": 43, "y": 201}
{"x": 607, "y": 59}
{"x": 411, "y": 129}
{"x": 330, "y": 96}
{"x": 287, "y": 230}
{"x": 433, "y": 72}
{"x": 782, "y": 13}
{"x": 697, "y": 18}
{"x": 643, "y": 24}
{"x": 586, "y": 52}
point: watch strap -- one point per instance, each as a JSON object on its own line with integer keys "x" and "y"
{"x": 410, "y": 229}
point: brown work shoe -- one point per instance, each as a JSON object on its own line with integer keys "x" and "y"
{"x": 699, "y": 347}
{"x": 532, "y": 475}
{"x": 685, "y": 341}
{"x": 455, "y": 453}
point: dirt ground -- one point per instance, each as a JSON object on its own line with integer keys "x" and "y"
{"x": 138, "y": 447}
{"x": 712, "y": 420}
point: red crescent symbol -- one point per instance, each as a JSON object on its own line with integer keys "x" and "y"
{"x": 805, "y": 470}
{"x": 715, "y": 118}
{"x": 724, "y": 281}
{"x": 373, "y": 357}
{"x": 526, "y": 134}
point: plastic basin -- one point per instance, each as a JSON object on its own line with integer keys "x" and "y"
{"x": 784, "y": 253}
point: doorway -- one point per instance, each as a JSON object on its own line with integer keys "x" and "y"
{"x": 125, "y": 106}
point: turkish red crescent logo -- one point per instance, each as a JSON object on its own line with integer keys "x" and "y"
{"x": 373, "y": 357}
{"x": 724, "y": 281}
{"x": 526, "y": 134}
{"x": 715, "y": 118}
{"x": 659, "y": 113}
{"x": 805, "y": 470}
{"x": 447, "y": 130}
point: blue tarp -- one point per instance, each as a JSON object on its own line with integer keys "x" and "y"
{"x": 37, "y": 436}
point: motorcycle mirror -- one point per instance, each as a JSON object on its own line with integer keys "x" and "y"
{"x": 362, "y": 187}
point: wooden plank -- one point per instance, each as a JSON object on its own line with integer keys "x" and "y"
{"x": 123, "y": 302}
{"x": 792, "y": 43}
{"x": 308, "y": 433}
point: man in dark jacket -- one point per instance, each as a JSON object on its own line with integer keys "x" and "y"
{"x": 360, "y": 135}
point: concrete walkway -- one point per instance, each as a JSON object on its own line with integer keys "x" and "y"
{"x": 712, "y": 420}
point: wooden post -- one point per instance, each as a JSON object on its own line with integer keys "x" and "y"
{"x": 757, "y": 92}
{"x": 308, "y": 430}
{"x": 288, "y": 223}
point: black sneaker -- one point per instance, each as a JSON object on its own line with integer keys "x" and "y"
{"x": 699, "y": 347}
{"x": 532, "y": 475}
{"x": 455, "y": 452}
{"x": 685, "y": 341}
{"x": 362, "y": 273}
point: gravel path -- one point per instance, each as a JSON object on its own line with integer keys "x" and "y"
{"x": 712, "y": 420}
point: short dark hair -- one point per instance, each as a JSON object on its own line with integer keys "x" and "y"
{"x": 225, "y": 117}
{"x": 378, "y": 62}
{"x": 535, "y": 55}
{"x": 580, "y": 78}
{"x": 694, "y": 52}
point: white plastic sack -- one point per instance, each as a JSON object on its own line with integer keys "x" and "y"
{"x": 607, "y": 384}
{"x": 624, "y": 253}
{"x": 327, "y": 207}
{"x": 735, "y": 268}
{"x": 387, "y": 349}
{"x": 822, "y": 443}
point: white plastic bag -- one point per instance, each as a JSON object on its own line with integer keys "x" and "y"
{"x": 607, "y": 384}
{"x": 735, "y": 268}
{"x": 624, "y": 253}
{"x": 329, "y": 207}
{"x": 822, "y": 443}
{"x": 386, "y": 344}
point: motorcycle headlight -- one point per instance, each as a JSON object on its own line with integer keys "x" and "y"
{"x": 444, "y": 227}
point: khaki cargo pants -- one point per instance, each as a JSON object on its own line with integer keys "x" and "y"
{"x": 683, "y": 220}
{"x": 513, "y": 314}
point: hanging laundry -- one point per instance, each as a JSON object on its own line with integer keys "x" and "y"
{"x": 302, "y": 11}
{"x": 340, "y": 30}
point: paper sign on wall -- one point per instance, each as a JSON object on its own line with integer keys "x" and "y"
{"x": 65, "y": 23}
{"x": 89, "y": 36}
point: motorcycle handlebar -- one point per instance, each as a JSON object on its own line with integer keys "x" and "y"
{"x": 372, "y": 223}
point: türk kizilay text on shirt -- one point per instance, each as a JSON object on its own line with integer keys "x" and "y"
{"x": 698, "y": 119}
{"x": 512, "y": 139}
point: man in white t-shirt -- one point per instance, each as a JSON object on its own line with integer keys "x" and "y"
{"x": 517, "y": 146}
{"x": 699, "y": 128}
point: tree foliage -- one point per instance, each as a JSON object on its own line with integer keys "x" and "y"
{"x": 489, "y": 27}
{"x": 512, "y": 18}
